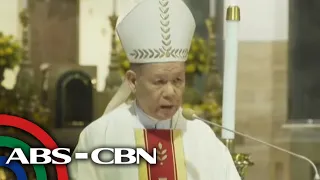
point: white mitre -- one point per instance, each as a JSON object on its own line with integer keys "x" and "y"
{"x": 154, "y": 31}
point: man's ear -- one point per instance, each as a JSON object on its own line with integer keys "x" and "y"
{"x": 131, "y": 77}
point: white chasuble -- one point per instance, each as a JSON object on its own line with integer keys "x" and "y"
{"x": 186, "y": 150}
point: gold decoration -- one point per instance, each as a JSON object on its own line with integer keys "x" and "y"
{"x": 159, "y": 53}
{"x": 242, "y": 162}
{"x": 161, "y": 153}
{"x": 165, "y": 22}
{"x": 233, "y": 13}
{"x": 197, "y": 56}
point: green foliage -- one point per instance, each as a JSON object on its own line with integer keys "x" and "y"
{"x": 10, "y": 52}
{"x": 197, "y": 62}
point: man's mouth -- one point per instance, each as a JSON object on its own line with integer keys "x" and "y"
{"x": 166, "y": 106}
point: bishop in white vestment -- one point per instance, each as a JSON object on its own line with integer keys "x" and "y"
{"x": 156, "y": 36}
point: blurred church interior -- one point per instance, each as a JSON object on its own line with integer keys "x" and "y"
{"x": 61, "y": 62}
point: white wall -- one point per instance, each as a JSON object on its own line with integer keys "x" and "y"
{"x": 95, "y": 34}
{"x": 263, "y": 20}
{"x": 9, "y": 24}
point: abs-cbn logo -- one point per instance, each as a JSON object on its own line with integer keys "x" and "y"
{"x": 121, "y": 156}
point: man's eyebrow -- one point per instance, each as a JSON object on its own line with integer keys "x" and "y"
{"x": 156, "y": 76}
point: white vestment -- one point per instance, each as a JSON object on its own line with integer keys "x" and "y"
{"x": 205, "y": 156}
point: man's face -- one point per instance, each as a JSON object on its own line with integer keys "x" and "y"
{"x": 159, "y": 88}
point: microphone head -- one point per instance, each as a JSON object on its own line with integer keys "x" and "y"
{"x": 188, "y": 114}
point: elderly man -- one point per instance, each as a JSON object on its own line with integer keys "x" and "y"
{"x": 156, "y": 36}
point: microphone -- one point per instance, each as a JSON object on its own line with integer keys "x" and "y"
{"x": 189, "y": 114}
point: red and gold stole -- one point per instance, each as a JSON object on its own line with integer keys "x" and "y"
{"x": 170, "y": 155}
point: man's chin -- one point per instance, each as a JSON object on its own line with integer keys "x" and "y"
{"x": 165, "y": 114}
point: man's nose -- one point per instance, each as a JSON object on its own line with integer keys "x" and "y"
{"x": 169, "y": 90}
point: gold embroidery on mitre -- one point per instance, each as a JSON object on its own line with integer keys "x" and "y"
{"x": 161, "y": 153}
{"x": 159, "y": 53}
{"x": 166, "y": 50}
{"x": 165, "y": 29}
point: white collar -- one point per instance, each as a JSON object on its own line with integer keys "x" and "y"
{"x": 149, "y": 122}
